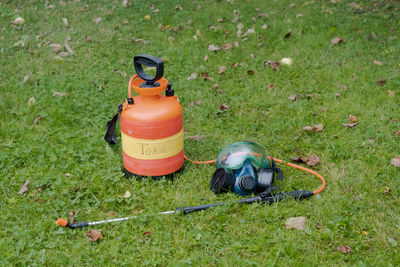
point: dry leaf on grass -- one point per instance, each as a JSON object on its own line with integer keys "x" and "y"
{"x": 381, "y": 82}
{"x": 97, "y": 20}
{"x": 337, "y": 40}
{"x": 390, "y": 93}
{"x": 352, "y": 118}
{"x": 224, "y": 107}
{"x": 395, "y": 161}
{"x": 26, "y": 78}
{"x": 212, "y": 47}
{"x": 24, "y": 188}
{"x": 272, "y": 64}
{"x": 195, "y": 137}
{"x": 178, "y": 8}
{"x": 234, "y": 65}
{"x": 310, "y": 161}
{"x": 379, "y": 63}
{"x": 287, "y": 61}
{"x": 56, "y": 47}
{"x": 235, "y": 15}
{"x": 343, "y": 249}
{"x": 110, "y": 213}
{"x": 65, "y": 21}
{"x": 18, "y": 21}
{"x": 139, "y": 40}
{"x": 59, "y": 94}
{"x": 31, "y": 101}
{"x": 313, "y": 160}
{"x": 296, "y": 223}
{"x": 147, "y": 233}
{"x": 87, "y": 39}
{"x": 94, "y": 235}
{"x": 250, "y": 72}
{"x": 67, "y": 46}
{"x": 294, "y": 97}
{"x": 264, "y": 27}
{"x": 226, "y": 46}
{"x": 192, "y": 76}
{"x": 315, "y": 128}
{"x": 350, "y": 125}
{"x": 221, "y": 69}
{"x": 126, "y": 195}
{"x": 37, "y": 119}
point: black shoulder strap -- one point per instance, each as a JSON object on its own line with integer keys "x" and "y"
{"x": 110, "y": 136}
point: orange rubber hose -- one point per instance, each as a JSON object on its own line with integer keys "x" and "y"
{"x": 319, "y": 190}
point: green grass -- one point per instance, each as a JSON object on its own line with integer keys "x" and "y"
{"x": 69, "y": 136}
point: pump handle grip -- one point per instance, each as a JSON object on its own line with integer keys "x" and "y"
{"x": 150, "y": 61}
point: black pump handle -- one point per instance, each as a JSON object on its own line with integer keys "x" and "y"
{"x": 150, "y": 61}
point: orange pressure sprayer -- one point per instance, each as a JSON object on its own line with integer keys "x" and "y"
{"x": 151, "y": 124}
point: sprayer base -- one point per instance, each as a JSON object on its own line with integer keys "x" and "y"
{"x": 170, "y": 176}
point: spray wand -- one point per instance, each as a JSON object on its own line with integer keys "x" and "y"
{"x": 264, "y": 197}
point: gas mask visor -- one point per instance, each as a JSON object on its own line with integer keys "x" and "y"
{"x": 234, "y": 156}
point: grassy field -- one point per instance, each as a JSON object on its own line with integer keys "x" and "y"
{"x": 54, "y": 106}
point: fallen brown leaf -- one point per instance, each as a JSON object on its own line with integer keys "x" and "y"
{"x": 224, "y": 107}
{"x": 24, "y": 188}
{"x": 65, "y": 21}
{"x": 381, "y": 82}
{"x": 294, "y": 97}
{"x": 315, "y": 128}
{"x": 126, "y": 195}
{"x": 195, "y": 137}
{"x": 94, "y": 235}
{"x": 343, "y": 249}
{"x": 250, "y": 72}
{"x": 71, "y": 216}
{"x": 352, "y": 118}
{"x": 395, "y": 161}
{"x": 337, "y": 40}
{"x": 192, "y": 76}
{"x": 313, "y": 160}
{"x": 212, "y": 47}
{"x": 178, "y": 8}
{"x": 396, "y": 133}
{"x": 147, "y": 233}
{"x": 385, "y": 189}
{"x": 262, "y": 15}
{"x": 63, "y": 54}
{"x": 139, "y": 40}
{"x": 234, "y": 65}
{"x": 31, "y": 101}
{"x": 226, "y": 46}
{"x": 37, "y": 119}
{"x": 288, "y": 34}
{"x": 110, "y": 213}
{"x": 136, "y": 211}
{"x": 296, "y": 223}
{"x": 26, "y": 78}
{"x": 390, "y": 93}
{"x": 205, "y": 76}
{"x": 44, "y": 187}
{"x": 272, "y": 64}
{"x": 67, "y": 45}
{"x": 338, "y": 94}
{"x": 87, "y": 39}
{"x": 56, "y": 47}
{"x": 125, "y": 3}
{"x": 235, "y": 15}
{"x": 264, "y": 26}
{"x": 221, "y": 69}
{"x": 355, "y": 5}
{"x": 350, "y": 125}
{"x": 59, "y": 94}
{"x": 97, "y": 20}
{"x": 379, "y": 63}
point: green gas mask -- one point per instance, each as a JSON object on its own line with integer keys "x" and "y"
{"x": 244, "y": 168}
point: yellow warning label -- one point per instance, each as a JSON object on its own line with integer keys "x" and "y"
{"x": 152, "y": 149}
